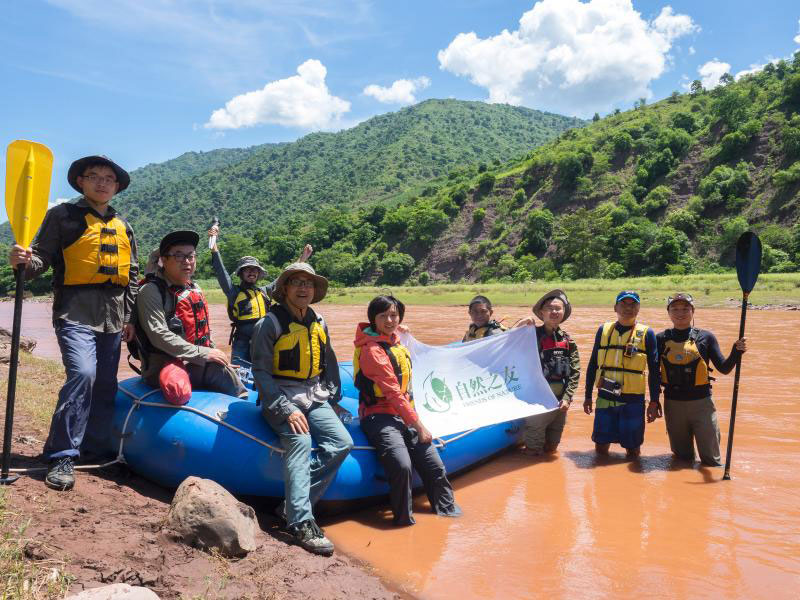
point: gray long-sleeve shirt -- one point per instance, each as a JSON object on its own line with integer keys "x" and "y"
{"x": 103, "y": 308}
{"x": 230, "y": 289}
{"x": 272, "y": 393}
{"x": 151, "y": 311}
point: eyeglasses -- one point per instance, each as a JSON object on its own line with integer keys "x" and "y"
{"x": 181, "y": 257}
{"x": 301, "y": 283}
{"x": 101, "y": 179}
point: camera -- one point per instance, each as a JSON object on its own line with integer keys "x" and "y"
{"x": 609, "y": 386}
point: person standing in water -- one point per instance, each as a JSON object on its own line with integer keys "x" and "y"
{"x": 382, "y": 374}
{"x": 561, "y": 367}
{"x": 92, "y": 250}
{"x": 623, "y": 351}
{"x": 480, "y": 311}
{"x": 689, "y": 411}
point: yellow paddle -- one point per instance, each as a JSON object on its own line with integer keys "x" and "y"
{"x": 29, "y": 166}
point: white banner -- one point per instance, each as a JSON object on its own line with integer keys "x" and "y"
{"x": 479, "y": 383}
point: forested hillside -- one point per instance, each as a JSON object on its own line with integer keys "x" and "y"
{"x": 664, "y": 188}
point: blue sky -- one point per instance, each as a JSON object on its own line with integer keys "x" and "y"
{"x": 146, "y": 80}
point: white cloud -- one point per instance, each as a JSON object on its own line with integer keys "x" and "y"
{"x": 570, "y": 56}
{"x": 302, "y": 100}
{"x": 400, "y": 92}
{"x": 58, "y": 201}
{"x": 797, "y": 37}
{"x": 691, "y": 50}
{"x": 755, "y": 68}
{"x": 711, "y": 71}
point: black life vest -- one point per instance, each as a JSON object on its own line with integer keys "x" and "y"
{"x": 475, "y": 333}
{"x": 554, "y": 355}
{"x": 188, "y": 318}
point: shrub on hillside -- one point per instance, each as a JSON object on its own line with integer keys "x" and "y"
{"x": 396, "y": 267}
{"x": 727, "y": 181}
{"x": 613, "y": 271}
{"x": 683, "y": 220}
{"x": 622, "y": 141}
{"x": 657, "y": 199}
{"x": 478, "y": 214}
{"x": 537, "y": 231}
{"x": 685, "y": 121}
{"x": 788, "y": 176}
{"x": 396, "y": 221}
{"x": 790, "y": 137}
{"x": 569, "y": 167}
{"x": 424, "y": 278}
{"x": 486, "y": 182}
{"x": 463, "y": 251}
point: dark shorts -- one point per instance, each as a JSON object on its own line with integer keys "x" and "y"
{"x": 623, "y": 425}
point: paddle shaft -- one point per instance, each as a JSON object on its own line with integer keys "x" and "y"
{"x": 12, "y": 377}
{"x": 727, "y": 474}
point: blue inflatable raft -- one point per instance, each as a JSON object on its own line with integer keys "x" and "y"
{"x": 225, "y": 439}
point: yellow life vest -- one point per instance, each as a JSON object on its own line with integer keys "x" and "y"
{"x": 299, "y": 351}
{"x": 475, "y": 333}
{"x": 369, "y": 391}
{"x": 612, "y": 362}
{"x": 682, "y": 365}
{"x": 101, "y": 255}
{"x": 248, "y": 305}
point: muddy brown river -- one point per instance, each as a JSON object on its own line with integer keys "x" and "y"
{"x": 575, "y": 526}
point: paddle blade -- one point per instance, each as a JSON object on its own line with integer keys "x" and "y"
{"x": 748, "y": 260}
{"x": 29, "y": 166}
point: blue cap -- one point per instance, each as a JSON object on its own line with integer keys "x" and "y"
{"x": 627, "y": 294}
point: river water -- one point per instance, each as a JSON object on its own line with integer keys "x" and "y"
{"x": 576, "y": 526}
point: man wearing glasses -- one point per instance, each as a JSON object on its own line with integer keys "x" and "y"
{"x": 684, "y": 352}
{"x": 92, "y": 251}
{"x": 173, "y": 328}
{"x": 297, "y": 378}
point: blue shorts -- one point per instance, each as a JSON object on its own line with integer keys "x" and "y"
{"x": 623, "y": 425}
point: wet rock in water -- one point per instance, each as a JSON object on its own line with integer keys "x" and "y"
{"x": 205, "y": 515}
{"x": 26, "y": 344}
{"x": 117, "y": 591}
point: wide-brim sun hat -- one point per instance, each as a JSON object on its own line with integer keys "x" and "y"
{"x": 553, "y": 294}
{"x": 77, "y": 168}
{"x": 320, "y": 283}
{"x": 250, "y": 261}
{"x": 191, "y": 238}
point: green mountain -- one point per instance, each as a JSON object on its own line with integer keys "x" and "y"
{"x": 665, "y": 188}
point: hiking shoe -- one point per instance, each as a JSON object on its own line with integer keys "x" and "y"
{"x": 309, "y": 536}
{"x": 60, "y": 474}
{"x": 280, "y": 511}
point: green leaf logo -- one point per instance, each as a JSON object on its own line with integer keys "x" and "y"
{"x": 438, "y": 396}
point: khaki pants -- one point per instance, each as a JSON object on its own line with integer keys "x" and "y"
{"x": 690, "y": 422}
{"x": 544, "y": 428}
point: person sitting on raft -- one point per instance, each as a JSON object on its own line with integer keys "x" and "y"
{"x": 247, "y": 302}
{"x": 561, "y": 367}
{"x": 173, "y": 329}
{"x": 480, "y": 311}
{"x": 685, "y": 352}
{"x": 297, "y": 377}
{"x": 622, "y": 351}
{"x": 382, "y": 374}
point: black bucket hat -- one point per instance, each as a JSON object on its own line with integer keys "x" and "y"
{"x": 77, "y": 168}
{"x": 178, "y": 237}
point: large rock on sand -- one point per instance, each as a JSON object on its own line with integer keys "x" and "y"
{"x": 205, "y": 515}
{"x": 118, "y": 591}
{"x": 25, "y": 344}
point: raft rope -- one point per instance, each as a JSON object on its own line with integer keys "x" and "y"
{"x": 140, "y": 401}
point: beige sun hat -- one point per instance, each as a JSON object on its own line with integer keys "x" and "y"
{"x": 537, "y": 308}
{"x": 320, "y": 283}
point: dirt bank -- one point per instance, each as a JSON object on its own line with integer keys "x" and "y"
{"x": 107, "y": 530}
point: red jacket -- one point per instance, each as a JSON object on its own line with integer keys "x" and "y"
{"x": 375, "y": 365}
